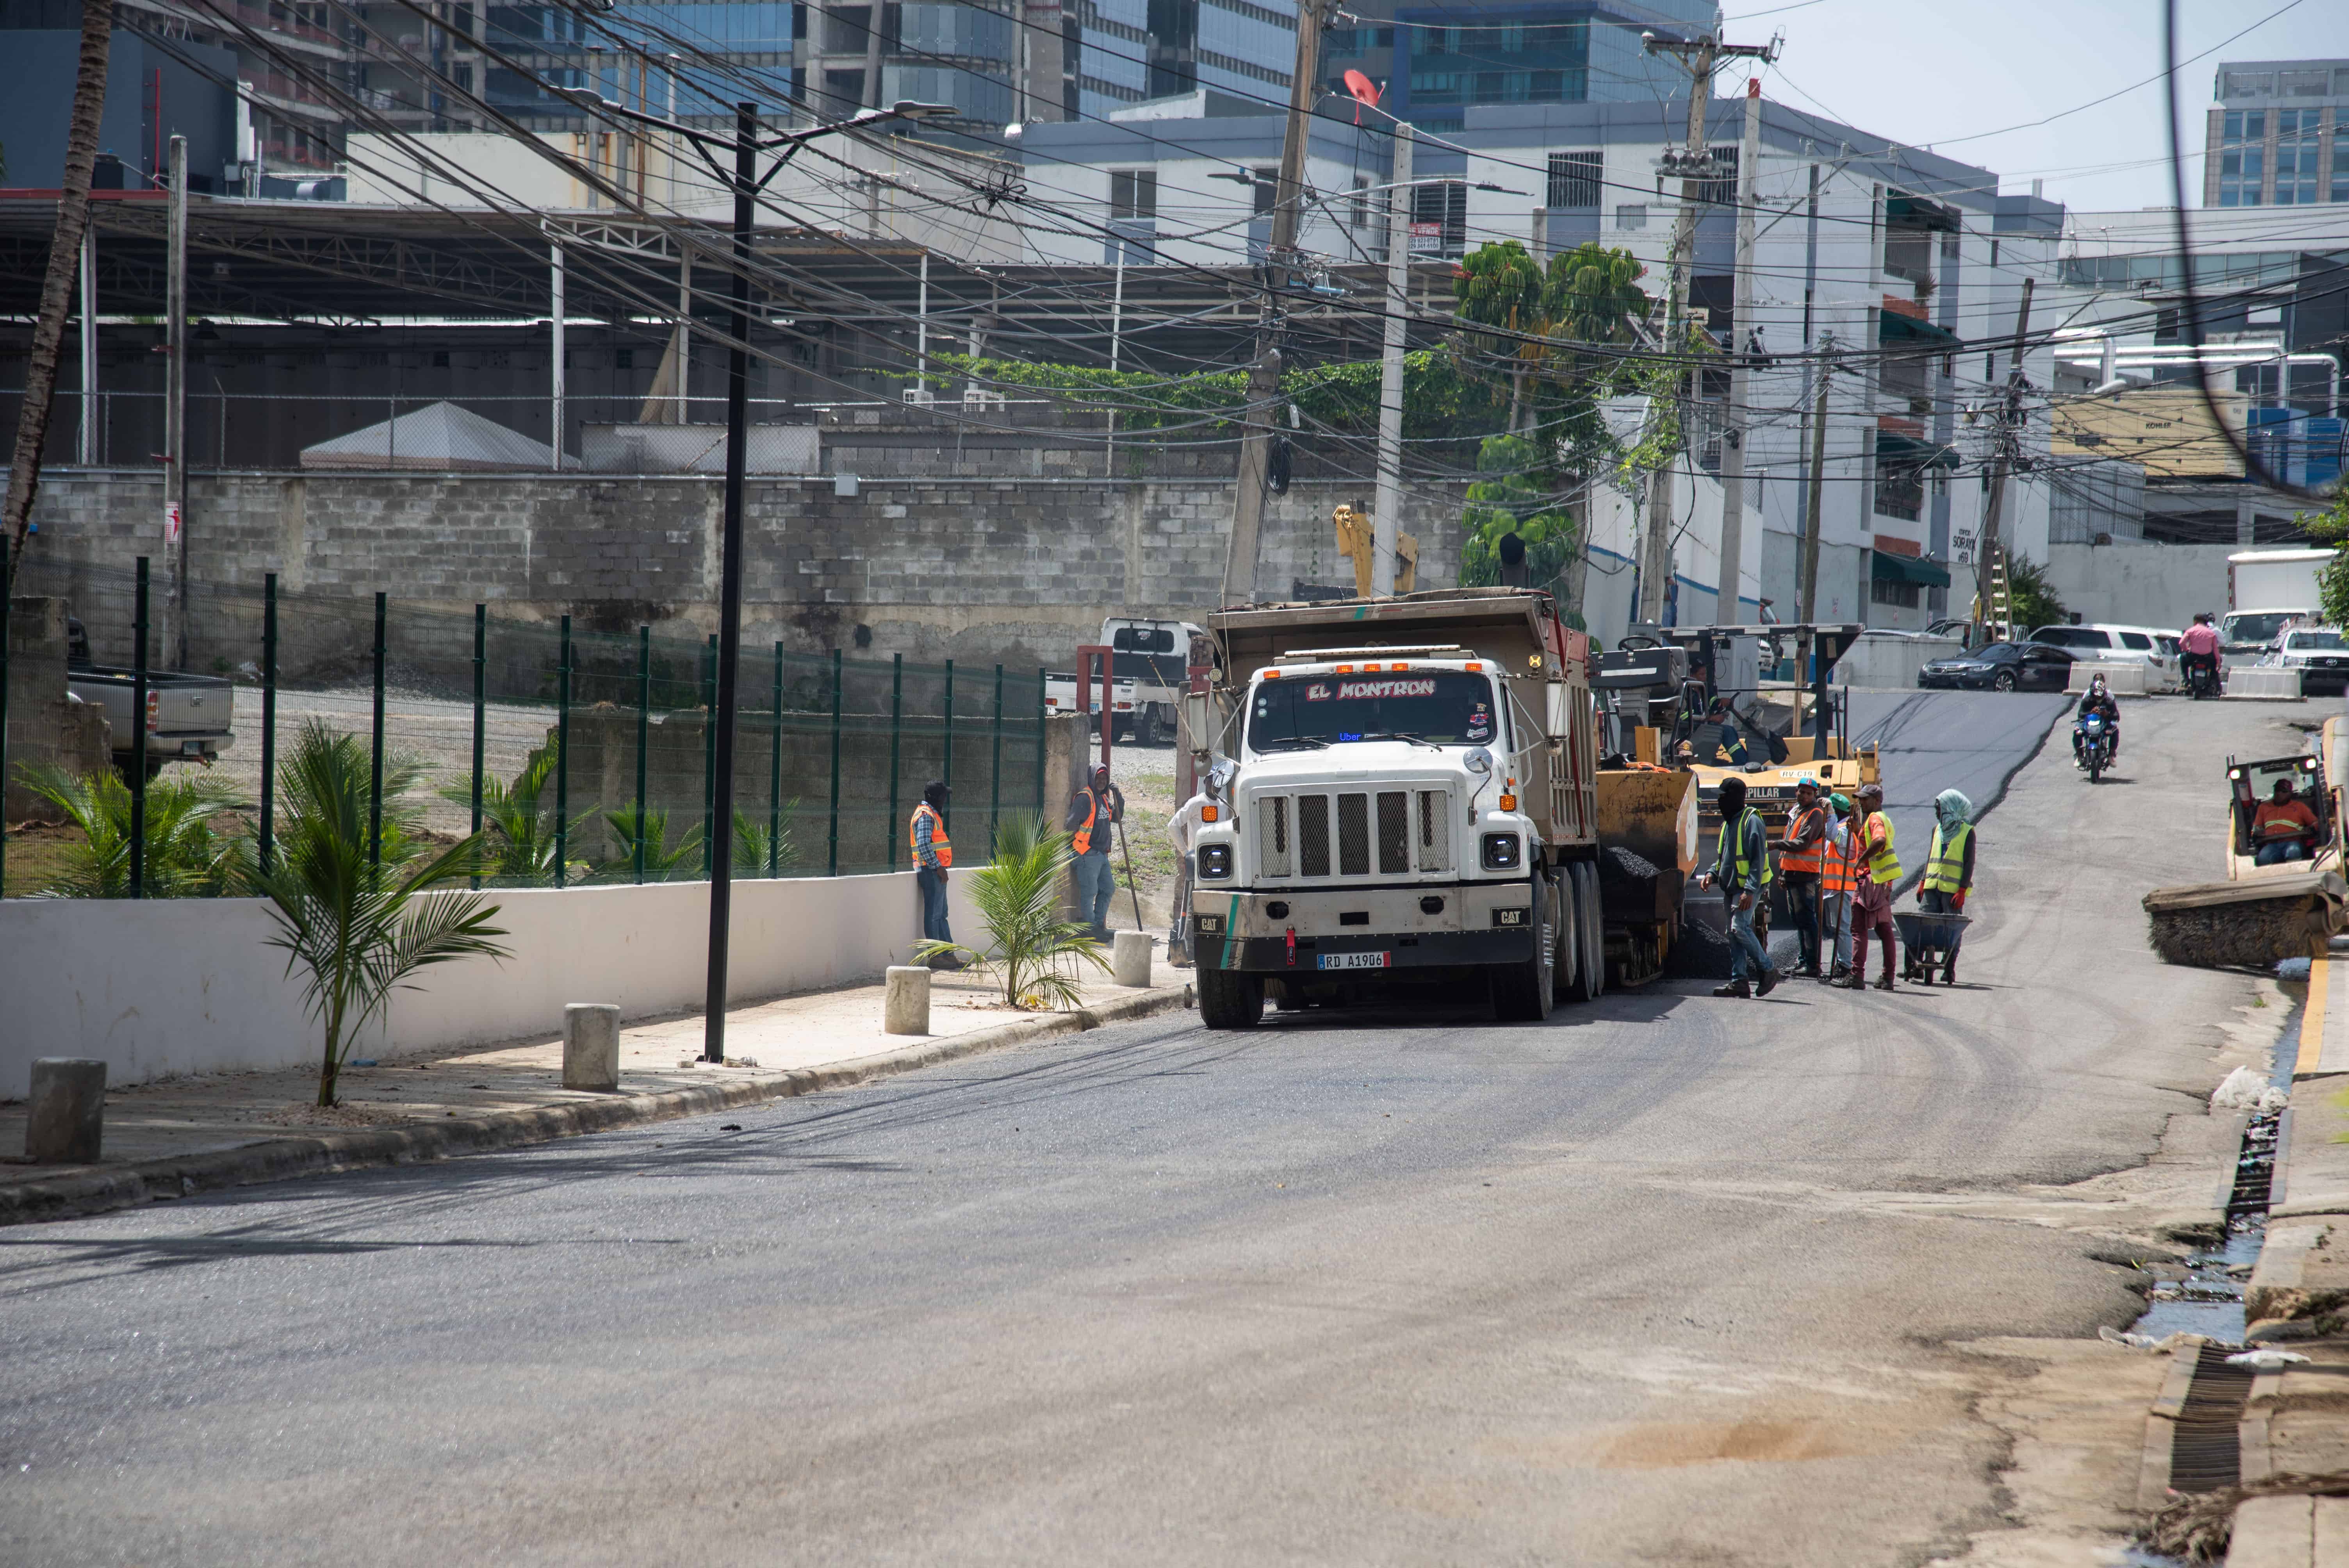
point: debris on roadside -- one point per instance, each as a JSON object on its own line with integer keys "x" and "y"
{"x": 2245, "y": 1090}
{"x": 2265, "y": 1360}
{"x": 2168, "y": 1344}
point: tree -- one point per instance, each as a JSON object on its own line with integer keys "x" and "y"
{"x": 57, "y": 283}
{"x": 184, "y": 857}
{"x": 518, "y": 837}
{"x": 2330, "y": 527}
{"x": 355, "y": 928}
{"x": 1032, "y": 951}
{"x": 1500, "y": 285}
{"x": 2031, "y": 599}
{"x": 1507, "y": 503}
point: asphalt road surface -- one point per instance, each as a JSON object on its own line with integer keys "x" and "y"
{"x": 1652, "y": 1283}
{"x": 1929, "y": 741}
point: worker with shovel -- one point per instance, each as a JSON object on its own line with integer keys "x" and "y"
{"x": 1094, "y": 813}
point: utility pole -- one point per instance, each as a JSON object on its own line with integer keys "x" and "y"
{"x": 2003, "y": 440}
{"x": 1694, "y": 163}
{"x": 1264, "y": 375}
{"x": 1725, "y": 611}
{"x": 1809, "y": 612}
{"x": 175, "y": 399}
{"x": 1386, "y": 512}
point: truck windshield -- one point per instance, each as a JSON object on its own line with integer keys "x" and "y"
{"x": 1440, "y": 707}
{"x": 2258, "y": 626}
{"x": 2323, "y": 642}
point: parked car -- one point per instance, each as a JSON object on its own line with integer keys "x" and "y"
{"x": 2002, "y": 666}
{"x": 2320, "y": 655}
{"x": 2116, "y": 644}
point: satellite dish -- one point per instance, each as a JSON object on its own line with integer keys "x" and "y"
{"x": 1362, "y": 88}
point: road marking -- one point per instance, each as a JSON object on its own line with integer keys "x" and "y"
{"x": 2314, "y": 1021}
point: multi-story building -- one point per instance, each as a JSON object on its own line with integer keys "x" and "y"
{"x": 2274, "y": 134}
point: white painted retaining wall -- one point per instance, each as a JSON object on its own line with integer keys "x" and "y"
{"x": 1890, "y": 662}
{"x": 187, "y": 986}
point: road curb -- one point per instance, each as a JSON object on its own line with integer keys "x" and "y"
{"x": 279, "y": 1158}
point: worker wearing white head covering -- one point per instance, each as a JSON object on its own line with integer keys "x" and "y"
{"x": 1949, "y": 868}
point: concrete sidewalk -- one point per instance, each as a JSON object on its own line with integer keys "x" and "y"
{"x": 183, "y": 1135}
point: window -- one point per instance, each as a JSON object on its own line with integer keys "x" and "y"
{"x": 1634, "y": 216}
{"x": 2242, "y": 157}
{"x": 1443, "y": 206}
{"x": 1359, "y": 213}
{"x": 1900, "y": 488}
{"x": 1722, "y": 188}
{"x": 2136, "y": 640}
{"x": 1132, "y": 194}
{"x": 1898, "y": 596}
{"x": 1573, "y": 179}
{"x": 2295, "y": 156}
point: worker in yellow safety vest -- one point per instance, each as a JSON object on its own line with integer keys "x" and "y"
{"x": 1878, "y": 869}
{"x": 926, "y": 835}
{"x": 1740, "y": 865}
{"x": 1949, "y": 868}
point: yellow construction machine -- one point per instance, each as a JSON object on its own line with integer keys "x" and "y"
{"x": 2261, "y": 914}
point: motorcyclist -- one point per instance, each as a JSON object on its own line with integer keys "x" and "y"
{"x": 2099, "y": 700}
{"x": 2198, "y": 647}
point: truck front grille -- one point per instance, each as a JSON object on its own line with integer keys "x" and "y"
{"x": 1394, "y": 833}
{"x": 1313, "y": 835}
{"x": 1353, "y": 835}
{"x": 1434, "y": 830}
{"x": 1272, "y": 834}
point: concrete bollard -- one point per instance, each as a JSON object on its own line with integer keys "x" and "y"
{"x": 905, "y": 1003}
{"x": 591, "y": 1047}
{"x": 1129, "y": 958}
{"x": 67, "y": 1120}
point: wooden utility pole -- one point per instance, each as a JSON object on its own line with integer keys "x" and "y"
{"x": 1279, "y": 256}
{"x": 2003, "y": 438}
{"x": 1386, "y": 513}
{"x": 1695, "y": 163}
{"x": 1809, "y": 610}
{"x": 1725, "y": 610}
{"x": 57, "y": 282}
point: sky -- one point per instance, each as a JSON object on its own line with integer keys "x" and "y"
{"x": 1940, "y": 75}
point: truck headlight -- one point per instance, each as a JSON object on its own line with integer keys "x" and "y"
{"x": 1215, "y": 862}
{"x": 1500, "y": 851}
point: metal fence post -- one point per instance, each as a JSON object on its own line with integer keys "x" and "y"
{"x": 708, "y": 750}
{"x": 268, "y": 846}
{"x": 3, "y": 718}
{"x": 481, "y": 721}
{"x": 644, "y": 736}
{"x": 775, "y": 776}
{"x": 375, "y": 765}
{"x": 1039, "y": 739}
{"x": 139, "y": 740}
{"x": 947, "y": 773}
{"x": 563, "y": 756}
{"x": 832, "y": 855}
{"x": 995, "y": 768}
{"x": 896, "y": 714}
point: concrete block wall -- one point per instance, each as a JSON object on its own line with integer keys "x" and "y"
{"x": 47, "y": 728}
{"x": 977, "y": 570}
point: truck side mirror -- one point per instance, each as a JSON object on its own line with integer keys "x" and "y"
{"x": 1199, "y": 719}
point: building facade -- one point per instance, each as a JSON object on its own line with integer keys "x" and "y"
{"x": 2272, "y": 135}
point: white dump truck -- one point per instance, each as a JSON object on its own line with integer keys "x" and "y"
{"x": 2268, "y": 589}
{"x": 1406, "y": 798}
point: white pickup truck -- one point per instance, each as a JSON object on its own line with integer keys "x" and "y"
{"x": 1061, "y": 697}
{"x": 190, "y": 717}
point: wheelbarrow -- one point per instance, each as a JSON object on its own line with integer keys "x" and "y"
{"x": 1927, "y": 940}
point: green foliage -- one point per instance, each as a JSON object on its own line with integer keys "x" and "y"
{"x": 661, "y": 861}
{"x": 517, "y": 839}
{"x": 752, "y": 840}
{"x": 2031, "y": 599}
{"x": 2330, "y": 527}
{"x": 354, "y": 929}
{"x": 185, "y": 857}
{"x": 1033, "y": 953}
{"x": 1508, "y": 502}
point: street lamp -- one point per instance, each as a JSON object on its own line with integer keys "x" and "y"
{"x": 747, "y": 182}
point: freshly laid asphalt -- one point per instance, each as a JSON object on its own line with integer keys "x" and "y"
{"x": 1645, "y": 1284}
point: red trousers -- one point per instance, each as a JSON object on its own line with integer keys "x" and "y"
{"x": 1872, "y": 910}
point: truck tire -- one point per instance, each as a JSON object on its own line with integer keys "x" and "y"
{"x": 1583, "y": 984}
{"x": 1522, "y": 993}
{"x": 1230, "y": 1000}
{"x": 1146, "y": 728}
{"x": 1566, "y": 969}
{"x": 1594, "y": 928}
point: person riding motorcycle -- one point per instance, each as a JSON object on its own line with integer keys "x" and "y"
{"x": 2097, "y": 700}
{"x": 2198, "y": 648}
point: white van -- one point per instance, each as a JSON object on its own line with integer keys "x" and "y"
{"x": 2110, "y": 643}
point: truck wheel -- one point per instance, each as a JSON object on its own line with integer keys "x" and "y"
{"x": 1582, "y": 985}
{"x": 1522, "y": 991}
{"x": 1566, "y": 969}
{"x": 1230, "y": 1000}
{"x": 1145, "y": 728}
{"x": 1594, "y": 928}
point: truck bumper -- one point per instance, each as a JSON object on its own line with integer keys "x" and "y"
{"x": 1362, "y": 932}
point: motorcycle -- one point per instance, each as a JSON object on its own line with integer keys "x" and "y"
{"x": 2201, "y": 678}
{"x": 2092, "y": 736}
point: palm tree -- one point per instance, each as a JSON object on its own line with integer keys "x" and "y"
{"x": 1033, "y": 952}
{"x": 519, "y": 839}
{"x": 185, "y": 858}
{"x": 57, "y": 283}
{"x": 358, "y": 929}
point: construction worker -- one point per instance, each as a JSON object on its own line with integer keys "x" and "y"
{"x": 1949, "y": 868}
{"x": 2283, "y": 828}
{"x": 1740, "y": 865}
{"x": 1876, "y": 869}
{"x": 1838, "y": 877}
{"x": 1181, "y": 829}
{"x": 932, "y": 857}
{"x": 1801, "y": 859}
{"x": 1095, "y": 812}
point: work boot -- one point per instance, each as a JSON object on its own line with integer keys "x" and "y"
{"x": 1950, "y": 971}
{"x": 1770, "y": 978}
{"x": 1850, "y": 982}
{"x": 1836, "y": 976}
{"x": 1737, "y": 988}
{"x": 1809, "y": 972}
{"x": 1884, "y": 981}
